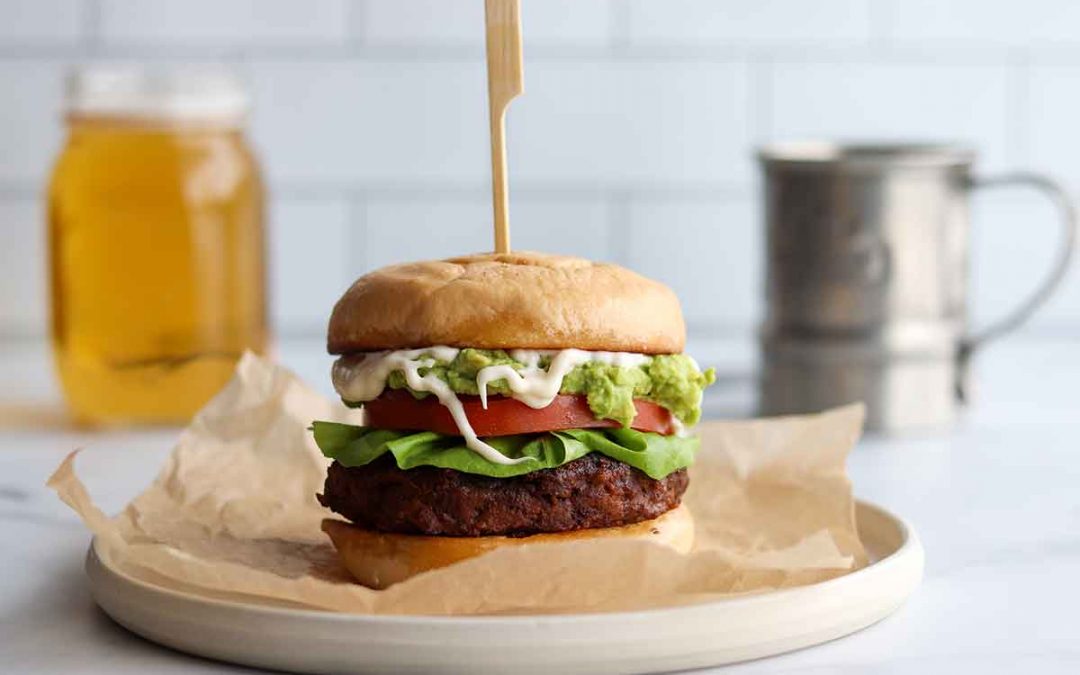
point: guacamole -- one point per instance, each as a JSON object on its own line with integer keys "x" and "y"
{"x": 672, "y": 381}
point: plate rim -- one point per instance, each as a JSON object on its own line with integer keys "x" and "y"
{"x": 910, "y": 545}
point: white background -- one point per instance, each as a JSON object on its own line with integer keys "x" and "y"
{"x": 633, "y": 141}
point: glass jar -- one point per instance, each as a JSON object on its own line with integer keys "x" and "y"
{"x": 156, "y": 243}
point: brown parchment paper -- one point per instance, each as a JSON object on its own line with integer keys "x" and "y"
{"x": 233, "y": 515}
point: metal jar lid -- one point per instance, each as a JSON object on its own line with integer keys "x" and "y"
{"x": 165, "y": 93}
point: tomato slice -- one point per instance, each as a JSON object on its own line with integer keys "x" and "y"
{"x": 504, "y": 416}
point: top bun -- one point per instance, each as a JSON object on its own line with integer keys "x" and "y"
{"x": 516, "y": 300}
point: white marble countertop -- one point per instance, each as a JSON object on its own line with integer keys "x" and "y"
{"x": 996, "y": 502}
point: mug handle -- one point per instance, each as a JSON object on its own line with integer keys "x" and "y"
{"x": 1013, "y": 320}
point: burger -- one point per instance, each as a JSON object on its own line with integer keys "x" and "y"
{"x": 508, "y": 399}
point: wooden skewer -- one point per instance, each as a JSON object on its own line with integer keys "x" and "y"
{"x": 505, "y": 81}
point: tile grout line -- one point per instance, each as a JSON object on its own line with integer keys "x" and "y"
{"x": 356, "y": 235}
{"x": 759, "y": 75}
{"x": 618, "y": 226}
{"x": 435, "y": 192}
{"x": 356, "y": 17}
{"x": 879, "y": 15}
{"x": 617, "y": 49}
{"x": 438, "y": 190}
{"x": 618, "y": 27}
{"x": 91, "y": 26}
{"x": 1017, "y": 99}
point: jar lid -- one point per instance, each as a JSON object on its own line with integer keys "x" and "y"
{"x": 169, "y": 93}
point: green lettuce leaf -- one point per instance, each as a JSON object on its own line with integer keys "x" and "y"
{"x": 653, "y": 454}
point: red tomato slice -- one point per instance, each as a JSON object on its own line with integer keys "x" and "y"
{"x": 504, "y": 416}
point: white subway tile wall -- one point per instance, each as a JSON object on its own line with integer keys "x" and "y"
{"x": 30, "y": 121}
{"x": 610, "y": 123}
{"x": 419, "y": 23}
{"x": 1052, "y": 121}
{"x": 633, "y": 141}
{"x": 23, "y": 299}
{"x": 1014, "y": 240}
{"x": 232, "y": 22}
{"x": 1013, "y": 23}
{"x": 310, "y": 260}
{"x": 49, "y": 22}
{"x": 362, "y": 123}
{"x": 897, "y": 101}
{"x": 703, "y": 248}
{"x": 422, "y": 22}
{"x": 424, "y": 228}
{"x": 764, "y": 22}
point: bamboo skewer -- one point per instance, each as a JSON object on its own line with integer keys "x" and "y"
{"x": 505, "y": 82}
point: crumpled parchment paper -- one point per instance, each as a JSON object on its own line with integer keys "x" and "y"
{"x": 233, "y": 515}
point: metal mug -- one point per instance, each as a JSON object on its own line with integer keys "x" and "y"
{"x": 866, "y": 278}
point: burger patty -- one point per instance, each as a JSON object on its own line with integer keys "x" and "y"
{"x": 591, "y": 492}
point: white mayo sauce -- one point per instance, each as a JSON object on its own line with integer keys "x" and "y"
{"x": 363, "y": 378}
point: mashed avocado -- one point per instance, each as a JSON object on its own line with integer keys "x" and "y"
{"x": 672, "y": 381}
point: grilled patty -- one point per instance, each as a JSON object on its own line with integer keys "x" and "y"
{"x": 591, "y": 492}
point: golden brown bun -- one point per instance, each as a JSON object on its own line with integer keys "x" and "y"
{"x": 519, "y": 300}
{"x": 378, "y": 560}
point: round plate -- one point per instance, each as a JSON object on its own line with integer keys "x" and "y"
{"x": 695, "y": 636}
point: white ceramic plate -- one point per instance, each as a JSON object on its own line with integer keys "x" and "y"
{"x": 710, "y": 634}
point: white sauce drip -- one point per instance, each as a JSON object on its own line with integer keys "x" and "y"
{"x": 361, "y": 379}
{"x": 536, "y": 387}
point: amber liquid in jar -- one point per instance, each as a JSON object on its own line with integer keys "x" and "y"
{"x": 157, "y": 264}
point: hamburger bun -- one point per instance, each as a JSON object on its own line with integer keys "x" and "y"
{"x": 518, "y": 300}
{"x": 378, "y": 560}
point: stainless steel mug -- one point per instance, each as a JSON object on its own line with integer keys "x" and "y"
{"x": 867, "y": 266}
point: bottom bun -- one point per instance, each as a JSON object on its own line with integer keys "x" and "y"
{"x": 379, "y": 559}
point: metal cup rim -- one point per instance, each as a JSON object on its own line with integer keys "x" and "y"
{"x": 865, "y": 154}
